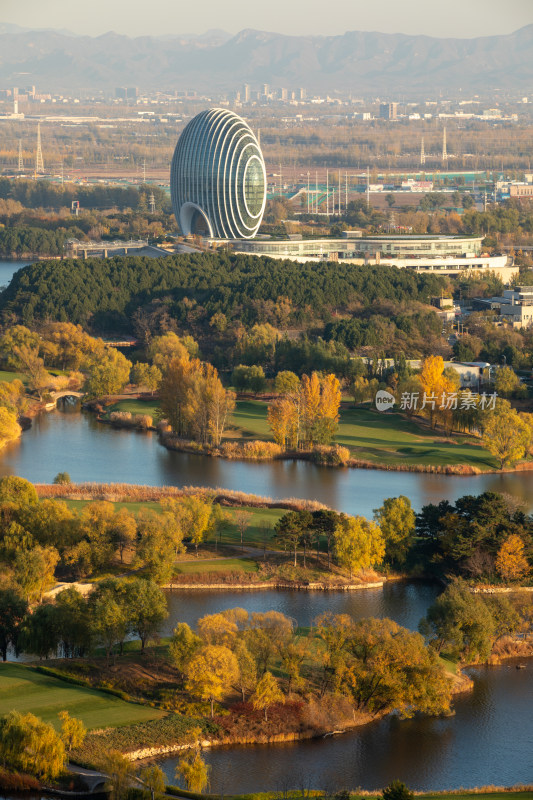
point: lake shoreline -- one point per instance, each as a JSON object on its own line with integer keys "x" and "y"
{"x": 462, "y": 684}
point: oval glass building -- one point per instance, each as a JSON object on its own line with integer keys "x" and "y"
{"x": 218, "y": 177}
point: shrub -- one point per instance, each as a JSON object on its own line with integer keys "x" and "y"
{"x": 143, "y": 421}
{"x": 62, "y": 479}
{"x": 121, "y": 417}
{"x": 331, "y": 456}
{"x": 261, "y": 451}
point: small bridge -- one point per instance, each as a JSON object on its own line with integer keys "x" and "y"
{"x": 74, "y": 248}
{"x": 55, "y": 396}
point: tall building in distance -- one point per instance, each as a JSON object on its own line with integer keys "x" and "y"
{"x": 218, "y": 177}
{"x": 388, "y": 111}
{"x": 245, "y": 96}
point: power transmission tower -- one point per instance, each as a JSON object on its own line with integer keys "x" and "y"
{"x": 422, "y": 152}
{"x": 21, "y": 162}
{"x": 152, "y": 203}
{"x": 144, "y": 171}
{"x": 444, "y": 151}
{"x": 39, "y": 164}
{"x": 368, "y": 187}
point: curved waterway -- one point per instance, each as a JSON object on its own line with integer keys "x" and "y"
{"x": 489, "y": 740}
{"x": 490, "y": 737}
{"x": 66, "y": 440}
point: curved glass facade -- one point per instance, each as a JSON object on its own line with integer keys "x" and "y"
{"x": 218, "y": 177}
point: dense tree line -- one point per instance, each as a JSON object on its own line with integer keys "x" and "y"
{"x": 487, "y": 537}
{"x": 20, "y": 240}
{"x": 196, "y": 287}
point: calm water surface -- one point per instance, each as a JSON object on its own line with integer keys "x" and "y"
{"x": 66, "y": 440}
{"x": 8, "y": 269}
{"x": 405, "y": 603}
{"x": 489, "y": 740}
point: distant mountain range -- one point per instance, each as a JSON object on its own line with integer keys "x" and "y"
{"x": 359, "y": 62}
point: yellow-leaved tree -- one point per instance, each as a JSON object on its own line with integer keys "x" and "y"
{"x": 436, "y": 386}
{"x": 267, "y": 693}
{"x": 358, "y": 544}
{"x": 211, "y": 672}
{"x": 511, "y": 561}
{"x": 505, "y": 434}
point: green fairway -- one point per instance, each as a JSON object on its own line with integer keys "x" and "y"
{"x": 23, "y": 689}
{"x": 372, "y": 436}
{"x": 220, "y": 565}
{"x": 249, "y": 421}
{"x": 255, "y": 533}
{"x": 11, "y": 376}
{"x": 135, "y": 406}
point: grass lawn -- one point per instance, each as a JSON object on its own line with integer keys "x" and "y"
{"x": 134, "y": 507}
{"x": 221, "y": 565}
{"x": 11, "y": 376}
{"x": 24, "y": 689}
{"x": 253, "y": 535}
{"x": 135, "y": 407}
{"x": 372, "y": 436}
{"x": 249, "y": 421}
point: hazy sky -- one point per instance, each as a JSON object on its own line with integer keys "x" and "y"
{"x": 462, "y": 18}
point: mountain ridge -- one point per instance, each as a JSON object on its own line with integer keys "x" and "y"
{"x": 362, "y": 62}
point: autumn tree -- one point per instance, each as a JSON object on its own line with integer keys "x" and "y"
{"x": 358, "y": 543}
{"x": 389, "y": 667}
{"x": 120, "y": 771}
{"x": 267, "y": 693}
{"x": 286, "y": 382}
{"x": 247, "y": 679}
{"x": 147, "y": 608}
{"x": 30, "y": 745}
{"x": 268, "y": 634}
{"x": 505, "y": 434}
{"x": 217, "y": 629}
{"x": 435, "y": 386}
{"x": 108, "y": 373}
{"x": 148, "y": 375}
{"x": 506, "y": 382}
{"x": 73, "y": 731}
{"x": 156, "y": 546}
{"x": 396, "y": 519}
{"x": 511, "y": 561}
{"x": 34, "y": 571}
{"x": 193, "y": 770}
{"x": 154, "y": 779}
{"x": 460, "y": 623}
{"x": 211, "y": 672}
{"x": 183, "y": 645}
{"x": 308, "y": 416}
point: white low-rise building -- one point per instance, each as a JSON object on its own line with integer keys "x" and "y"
{"x": 447, "y": 255}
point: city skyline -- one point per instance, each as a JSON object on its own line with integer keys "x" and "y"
{"x": 459, "y": 20}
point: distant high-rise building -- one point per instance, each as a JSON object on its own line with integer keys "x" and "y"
{"x": 283, "y": 94}
{"x": 246, "y": 93}
{"x": 388, "y": 111}
{"x": 302, "y": 94}
{"x": 132, "y": 92}
{"x": 121, "y": 93}
{"x": 266, "y": 90}
{"x": 218, "y": 177}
